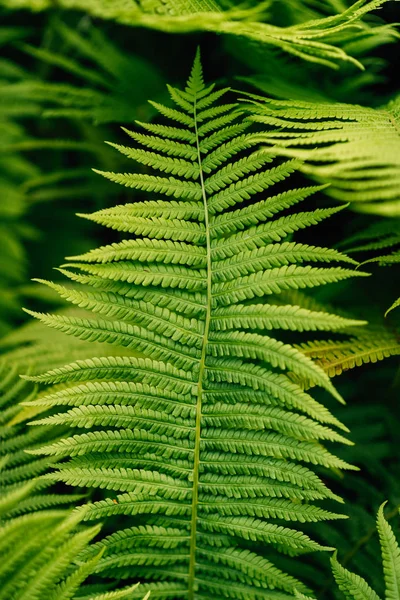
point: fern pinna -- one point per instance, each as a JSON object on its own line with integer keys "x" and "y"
{"x": 197, "y": 432}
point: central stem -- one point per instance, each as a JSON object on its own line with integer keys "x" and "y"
{"x": 196, "y": 466}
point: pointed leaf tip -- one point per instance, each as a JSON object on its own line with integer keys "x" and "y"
{"x": 195, "y": 82}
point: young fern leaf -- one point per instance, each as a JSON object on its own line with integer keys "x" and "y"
{"x": 199, "y": 434}
{"x": 390, "y": 557}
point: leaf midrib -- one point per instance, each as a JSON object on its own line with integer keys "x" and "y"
{"x": 196, "y": 463}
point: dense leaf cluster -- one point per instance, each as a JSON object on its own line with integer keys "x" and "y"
{"x": 169, "y": 424}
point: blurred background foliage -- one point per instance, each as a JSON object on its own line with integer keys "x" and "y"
{"x": 73, "y": 71}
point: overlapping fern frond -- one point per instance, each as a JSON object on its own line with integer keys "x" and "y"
{"x": 13, "y": 206}
{"x": 13, "y": 230}
{"x": 197, "y": 434}
{"x": 18, "y": 467}
{"x": 29, "y": 350}
{"x": 353, "y": 148}
{"x": 41, "y": 546}
{"x": 42, "y": 554}
{"x": 355, "y": 587}
{"x": 38, "y": 551}
{"x": 347, "y": 347}
{"x": 317, "y": 40}
{"x": 337, "y": 356}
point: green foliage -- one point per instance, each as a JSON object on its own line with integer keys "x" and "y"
{"x": 355, "y": 587}
{"x": 43, "y": 553}
{"x": 367, "y": 346}
{"x": 39, "y": 550}
{"x": 24, "y": 186}
{"x": 353, "y": 148}
{"x": 199, "y": 431}
{"x": 12, "y": 229}
{"x": 42, "y": 545}
{"x": 316, "y": 40}
{"x": 28, "y": 351}
{"x": 395, "y": 304}
{"x": 179, "y": 306}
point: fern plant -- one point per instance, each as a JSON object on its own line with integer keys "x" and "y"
{"x": 353, "y": 148}
{"x": 41, "y": 554}
{"x": 30, "y": 350}
{"x": 197, "y": 433}
{"x": 355, "y": 587}
{"x": 13, "y": 204}
{"x": 319, "y": 41}
{"x": 41, "y": 545}
{"x": 337, "y": 355}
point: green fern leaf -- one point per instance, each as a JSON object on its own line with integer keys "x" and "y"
{"x": 390, "y": 557}
{"x": 46, "y": 555}
{"x": 40, "y": 551}
{"x": 269, "y": 316}
{"x": 320, "y": 41}
{"x": 330, "y": 139}
{"x": 337, "y": 356}
{"x": 352, "y": 586}
{"x": 395, "y": 304}
{"x": 194, "y": 425}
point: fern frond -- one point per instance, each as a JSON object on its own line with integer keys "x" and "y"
{"x": 355, "y": 587}
{"x": 312, "y": 41}
{"x": 384, "y": 261}
{"x": 24, "y": 351}
{"x": 42, "y": 548}
{"x": 381, "y": 235}
{"x": 104, "y": 69}
{"x": 338, "y": 356}
{"x": 352, "y": 586}
{"x": 44, "y": 555}
{"x": 390, "y": 557}
{"x": 198, "y": 428}
{"x": 331, "y": 140}
{"x": 18, "y": 467}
